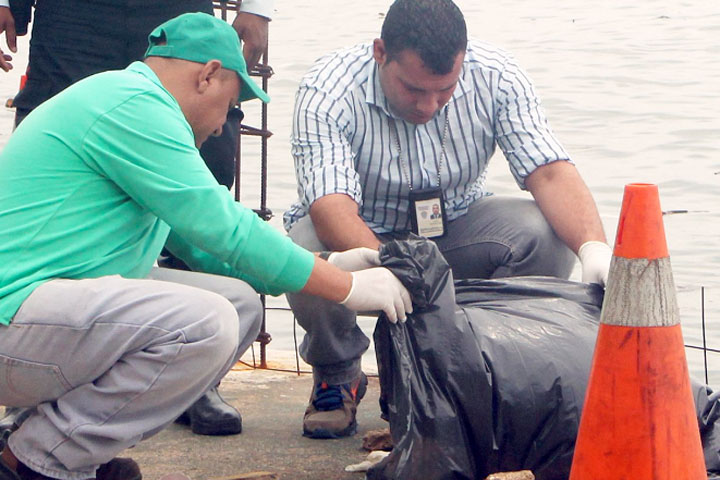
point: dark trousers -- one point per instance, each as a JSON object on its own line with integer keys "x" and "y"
{"x": 72, "y": 39}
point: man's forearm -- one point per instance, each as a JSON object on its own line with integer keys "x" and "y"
{"x": 566, "y": 203}
{"x": 338, "y": 225}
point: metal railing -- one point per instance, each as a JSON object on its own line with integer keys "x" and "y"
{"x": 264, "y": 71}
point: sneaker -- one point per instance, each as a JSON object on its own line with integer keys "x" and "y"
{"x": 331, "y": 413}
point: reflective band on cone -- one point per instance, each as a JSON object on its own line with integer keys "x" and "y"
{"x": 639, "y": 421}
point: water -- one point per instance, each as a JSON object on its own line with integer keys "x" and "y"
{"x": 631, "y": 89}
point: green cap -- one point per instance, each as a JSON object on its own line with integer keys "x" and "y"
{"x": 200, "y": 37}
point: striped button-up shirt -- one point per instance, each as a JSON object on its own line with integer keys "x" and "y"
{"x": 344, "y": 136}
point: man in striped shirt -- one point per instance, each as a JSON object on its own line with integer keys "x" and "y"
{"x": 378, "y": 126}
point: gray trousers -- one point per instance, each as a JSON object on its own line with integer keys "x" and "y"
{"x": 109, "y": 361}
{"x": 498, "y": 237}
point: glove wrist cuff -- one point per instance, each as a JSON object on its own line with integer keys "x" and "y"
{"x": 352, "y": 289}
{"x": 593, "y": 245}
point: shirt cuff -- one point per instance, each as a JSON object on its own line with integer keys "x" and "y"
{"x": 264, "y": 8}
{"x": 4, "y": 3}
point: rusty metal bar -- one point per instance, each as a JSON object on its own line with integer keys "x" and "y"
{"x": 224, "y": 5}
{"x": 264, "y": 71}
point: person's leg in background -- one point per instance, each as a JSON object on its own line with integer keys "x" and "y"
{"x": 70, "y": 40}
{"x": 110, "y": 361}
{"x": 333, "y": 345}
{"x": 73, "y": 39}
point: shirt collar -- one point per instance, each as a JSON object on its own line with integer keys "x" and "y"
{"x": 144, "y": 70}
{"x": 375, "y": 95}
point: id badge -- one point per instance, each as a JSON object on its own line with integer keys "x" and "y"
{"x": 427, "y": 212}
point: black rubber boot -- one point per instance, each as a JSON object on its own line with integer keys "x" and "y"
{"x": 211, "y": 415}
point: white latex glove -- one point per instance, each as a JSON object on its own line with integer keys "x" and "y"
{"x": 355, "y": 259}
{"x": 378, "y": 289}
{"x": 595, "y": 259}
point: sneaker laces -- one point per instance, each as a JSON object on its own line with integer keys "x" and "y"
{"x": 329, "y": 397}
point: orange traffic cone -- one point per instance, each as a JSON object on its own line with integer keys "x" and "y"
{"x": 639, "y": 421}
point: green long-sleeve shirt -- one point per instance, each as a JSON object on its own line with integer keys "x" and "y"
{"x": 94, "y": 181}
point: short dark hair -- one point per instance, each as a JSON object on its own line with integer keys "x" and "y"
{"x": 434, "y": 29}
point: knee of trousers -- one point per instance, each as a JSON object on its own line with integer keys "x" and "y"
{"x": 303, "y": 233}
{"x": 316, "y": 315}
{"x": 536, "y": 229}
{"x": 249, "y": 309}
{"x": 214, "y": 330}
{"x": 543, "y": 242}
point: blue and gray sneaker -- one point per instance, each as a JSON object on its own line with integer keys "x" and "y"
{"x": 332, "y": 409}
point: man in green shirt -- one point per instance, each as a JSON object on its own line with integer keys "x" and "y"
{"x": 107, "y": 348}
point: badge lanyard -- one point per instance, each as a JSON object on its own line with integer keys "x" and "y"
{"x": 427, "y": 205}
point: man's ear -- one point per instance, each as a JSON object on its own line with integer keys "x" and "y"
{"x": 379, "y": 53}
{"x": 210, "y": 72}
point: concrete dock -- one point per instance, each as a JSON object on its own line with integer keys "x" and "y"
{"x": 272, "y": 405}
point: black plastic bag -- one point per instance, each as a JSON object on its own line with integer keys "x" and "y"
{"x": 490, "y": 375}
{"x": 707, "y": 406}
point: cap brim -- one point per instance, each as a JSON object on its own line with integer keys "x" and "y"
{"x": 251, "y": 90}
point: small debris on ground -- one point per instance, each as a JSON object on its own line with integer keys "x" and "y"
{"x": 521, "y": 475}
{"x": 250, "y": 476}
{"x": 377, "y": 440}
{"x": 372, "y": 458}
